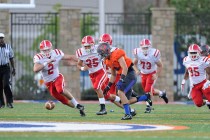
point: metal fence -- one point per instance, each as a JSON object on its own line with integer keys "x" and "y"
{"x": 127, "y": 29}
{"x": 27, "y": 31}
{"x": 190, "y": 28}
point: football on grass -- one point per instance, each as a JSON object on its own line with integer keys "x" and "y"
{"x": 49, "y": 105}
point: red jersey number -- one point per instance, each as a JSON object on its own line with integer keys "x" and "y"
{"x": 193, "y": 71}
{"x": 92, "y": 62}
{"x": 50, "y": 70}
{"x": 146, "y": 65}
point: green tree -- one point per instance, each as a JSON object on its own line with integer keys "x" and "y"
{"x": 192, "y": 17}
{"x": 89, "y": 24}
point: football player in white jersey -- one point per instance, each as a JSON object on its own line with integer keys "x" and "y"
{"x": 149, "y": 62}
{"x": 197, "y": 71}
{"x": 90, "y": 60}
{"x": 47, "y": 62}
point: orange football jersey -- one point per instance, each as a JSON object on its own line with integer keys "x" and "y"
{"x": 113, "y": 63}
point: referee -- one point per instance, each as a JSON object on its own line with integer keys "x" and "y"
{"x": 6, "y": 57}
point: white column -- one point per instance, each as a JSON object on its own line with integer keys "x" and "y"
{"x": 101, "y": 17}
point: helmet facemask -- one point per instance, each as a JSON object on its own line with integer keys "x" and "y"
{"x": 46, "y": 52}
{"x": 145, "y": 49}
{"x": 88, "y": 48}
{"x": 194, "y": 55}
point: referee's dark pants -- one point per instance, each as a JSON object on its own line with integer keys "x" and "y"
{"x": 5, "y": 84}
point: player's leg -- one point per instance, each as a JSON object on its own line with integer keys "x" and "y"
{"x": 206, "y": 93}
{"x": 197, "y": 96}
{"x": 63, "y": 92}
{"x": 98, "y": 79}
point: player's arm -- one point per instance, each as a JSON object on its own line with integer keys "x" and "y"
{"x": 113, "y": 75}
{"x": 208, "y": 73}
{"x": 81, "y": 66}
{"x": 135, "y": 62}
{"x": 38, "y": 67}
{"x": 186, "y": 75}
{"x": 72, "y": 59}
{"x": 159, "y": 67}
{"x": 123, "y": 65}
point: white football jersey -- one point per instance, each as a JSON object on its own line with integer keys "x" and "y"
{"x": 50, "y": 71}
{"x": 196, "y": 69}
{"x": 147, "y": 63}
{"x": 92, "y": 60}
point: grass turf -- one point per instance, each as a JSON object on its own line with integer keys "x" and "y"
{"x": 197, "y": 119}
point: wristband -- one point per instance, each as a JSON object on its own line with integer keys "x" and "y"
{"x": 183, "y": 81}
{"x": 82, "y": 68}
{"x": 45, "y": 64}
{"x": 122, "y": 77}
{"x": 110, "y": 84}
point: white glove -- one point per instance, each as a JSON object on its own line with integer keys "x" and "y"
{"x": 206, "y": 84}
{"x": 182, "y": 85}
{"x": 189, "y": 95}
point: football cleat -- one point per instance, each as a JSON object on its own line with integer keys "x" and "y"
{"x": 208, "y": 106}
{"x": 164, "y": 97}
{"x": 148, "y": 109}
{"x": 133, "y": 113}
{"x": 149, "y": 101}
{"x": 9, "y": 105}
{"x": 81, "y": 110}
{"x": 127, "y": 117}
{"x": 102, "y": 112}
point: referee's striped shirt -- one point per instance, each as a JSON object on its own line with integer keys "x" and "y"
{"x": 6, "y": 53}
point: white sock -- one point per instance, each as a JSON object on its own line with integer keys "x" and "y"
{"x": 160, "y": 93}
{"x": 207, "y": 102}
{"x": 101, "y": 100}
{"x": 74, "y": 102}
{"x": 147, "y": 103}
{"x": 117, "y": 99}
{"x": 132, "y": 110}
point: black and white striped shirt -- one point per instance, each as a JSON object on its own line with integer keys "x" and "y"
{"x": 6, "y": 53}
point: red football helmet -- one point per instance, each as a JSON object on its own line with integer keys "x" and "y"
{"x": 46, "y": 48}
{"x": 194, "y": 52}
{"x": 88, "y": 43}
{"x": 145, "y": 45}
{"x": 106, "y": 38}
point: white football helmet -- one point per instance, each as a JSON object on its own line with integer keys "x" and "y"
{"x": 46, "y": 48}
{"x": 88, "y": 43}
{"x": 145, "y": 46}
{"x": 194, "y": 52}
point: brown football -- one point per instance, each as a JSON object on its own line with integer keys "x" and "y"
{"x": 49, "y": 105}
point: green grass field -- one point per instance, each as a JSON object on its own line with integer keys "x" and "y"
{"x": 197, "y": 119}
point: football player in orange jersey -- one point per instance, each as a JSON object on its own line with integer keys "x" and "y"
{"x": 118, "y": 62}
{"x": 107, "y": 38}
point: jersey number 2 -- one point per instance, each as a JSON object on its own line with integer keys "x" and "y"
{"x": 50, "y": 71}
